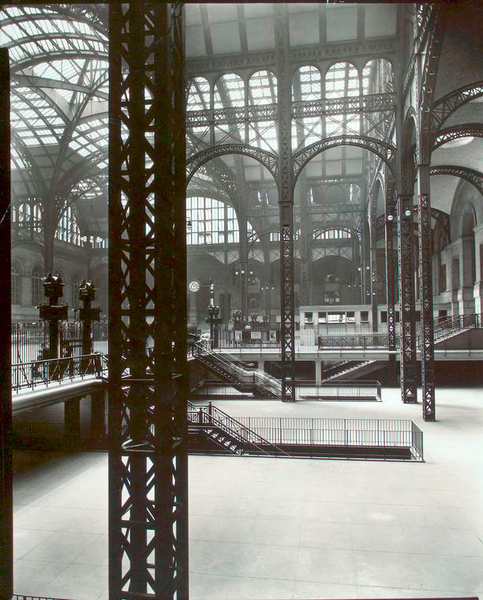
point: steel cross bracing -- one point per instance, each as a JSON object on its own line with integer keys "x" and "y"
{"x": 406, "y": 299}
{"x": 148, "y": 485}
{"x": 285, "y": 198}
{"x": 427, "y": 334}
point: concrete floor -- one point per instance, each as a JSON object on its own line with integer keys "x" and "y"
{"x": 278, "y": 528}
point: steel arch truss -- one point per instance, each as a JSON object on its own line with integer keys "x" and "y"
{"x": 447, "y": 105}
{"x": 267, "y": 159}
{"x": 385, "y": 151}
{"x": 148, "y": 475}
{"x": 473, "y": 177}
{"x": 457, "y": 131}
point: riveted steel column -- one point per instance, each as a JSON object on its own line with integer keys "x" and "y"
{"x": 285, "y": 199}
{"x": 148, "y": 486}
{"x": 427, "y": 333}
{"x": 406, "y": 299}
{"x": 373, "y": 260}
{"x": 390, "y": 274}
{"x": 6, "y": 507}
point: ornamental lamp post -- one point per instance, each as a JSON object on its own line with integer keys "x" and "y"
{"x": 214, "y": 320}
{"x": 53, "y": 312}
{"x": 87, "y": 314}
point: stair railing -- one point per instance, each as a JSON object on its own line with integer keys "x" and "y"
{"x": 211, "y": 415}
{"x": 248, "y": 379}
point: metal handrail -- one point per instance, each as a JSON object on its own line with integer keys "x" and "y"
{"x": 45, "y": 372}
{"x": 241, "y": 375}
{"x": 339, "y": 432}
{"x": 212, "y": 415}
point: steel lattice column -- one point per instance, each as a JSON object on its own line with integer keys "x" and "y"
{"x": 373, "y": 259}
{"x": 148, "y": 486}
{"x": 285, "y": 198}
{"x": 6, "y": 508}
{"x": 427, "y": 333}
{"x": 406, "y": 299}
{"x": 390, "y": 274}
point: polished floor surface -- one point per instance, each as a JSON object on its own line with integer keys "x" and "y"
{"x": 265, "y": 528}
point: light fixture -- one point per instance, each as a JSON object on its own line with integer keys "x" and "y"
{"x": 390, "y": 218}
{"x": 407, "y": 212}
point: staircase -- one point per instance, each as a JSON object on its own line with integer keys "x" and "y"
{"x": 448, "y": 327}
{"x": 349, "y": 370}
{"x": 211, "y": 429}
{"x": 257, "y": 382}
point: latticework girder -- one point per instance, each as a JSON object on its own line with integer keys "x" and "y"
{"x": 427, "y": 333}
{"x": 148, "y": 517}
{"x": 443, "y": 108}
{"x": 470, "y": 175}
{"x": 406, "y": 299}
{"x": 389, "y": 222}
{"x": 285, "y": 190}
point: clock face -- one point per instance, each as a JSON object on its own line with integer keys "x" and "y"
{"x": 194, "y": 286}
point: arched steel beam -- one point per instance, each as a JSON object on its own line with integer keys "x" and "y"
{"x": 387, "y": 152}
{"x": 473, "y": 177}
{"x": 457, "y": 131}
{"x": 267, "y": 159}
{"x": 447, "y": 105}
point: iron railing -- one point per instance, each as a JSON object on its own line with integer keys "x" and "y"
{"x": 212, "y": 416}
{"x": 378, "y": 433}
{"x": 240, "y": 376}
{"x": 45, "y": 372}
{"x": 22, "y": 597}
{"x": 369, "y": 340}
{"x": 30, "y": 341}
{"x": 343, "y": 390}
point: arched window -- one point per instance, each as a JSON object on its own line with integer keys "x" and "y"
{"x": 307, "y": 84}
{"x": 306, "y": 87}
{"x": 24, "y": 215}
{"x": 262, "y": 88}
{"x": 15, "y": 285}
{"x": 198, "y": 94}
{"x": 342, "y": 82}
{"x": 212, "y": 221}
{"x": 353, "y": 193}
{"x": 335, "y": 194}
{"x": 229, "y": 91}
{"x": 68, "y": 228}
{"x": 332, "y": 234}
{"x": 37, "y": 287}
{"x": 37, "y": 218}
{"x": 377, "y": 77}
